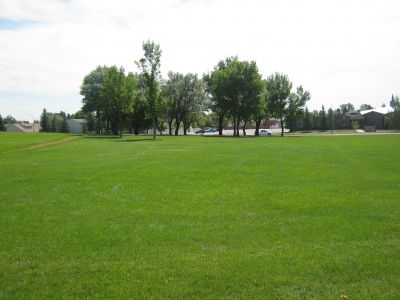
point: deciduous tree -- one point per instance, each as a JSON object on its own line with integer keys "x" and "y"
{"x": 278, "y": 87}
{"x": 2, "y": 127}
{"x": 150, "y": 67}
{"x": 295, "y": 107}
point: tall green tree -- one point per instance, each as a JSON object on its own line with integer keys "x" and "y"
{"x": 235, "y": 88}
{"x": 307, "y": 120}
{"x": 108, "y": 95}
{"x": 262, "y": 111}
{"x": 91, "y": 88}
{"x": 394, "y": 117}
{"x": 186, "y": 98}
{"x": 53, "y": 123}
{"x": 295, "y": 107}
{"x": 64, "y": 125}
{"x": 138, "y": 117}
{"x": 2, "y": 127}
{"x": 194, "y": 101}
{"x": 90, "y": 123}
{"x": 150, "y": 68}
{"x": 323, "y": 119}
{"x": 217, "y": 86}
{"x": 331, "y": 118}
{"x": 44, "y": 121}
{"x": 315, "y": 120}
{"x": 174, "y": 91}
{"x": 250, "y": 93}
{"x": 278, "y": 88}
{"x": 117, "y": 94}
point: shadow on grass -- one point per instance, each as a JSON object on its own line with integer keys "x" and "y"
{"x": 136, "y": 140}
{"x": 102, "y": 137}
{"x": 117, "y": 138}
{"x": 229, "y": 136}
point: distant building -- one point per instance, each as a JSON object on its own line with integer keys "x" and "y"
{"x": 23, "y": 127}
{"x": 375, "y": 117}
{"x": 76, "y": 125}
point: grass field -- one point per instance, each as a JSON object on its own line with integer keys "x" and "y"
{"x": 200, "y": 217}
{"x": 18, "y": 141}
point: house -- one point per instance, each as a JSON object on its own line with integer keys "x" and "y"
{"x": 76, "y": 125}
{"x": 375, "y": 117}
{"x": 23, "y": 127}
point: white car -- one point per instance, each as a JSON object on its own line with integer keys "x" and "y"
{"x": 265, "y": 132}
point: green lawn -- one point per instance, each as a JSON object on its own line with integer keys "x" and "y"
{"x": 201, "y": 217}
{"x": 11, "y": 141}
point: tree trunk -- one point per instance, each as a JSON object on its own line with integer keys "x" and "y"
{"x": 281, "y": 126}
{"x": 170, "y": 126}
{"x": 258, "y": 123}
{"x": 234, "y": 126}
{"x": 220, "y": 123}
{"x": 244, "y": 128}
{"x": 184, "y": 128}
{"x": 178, "y": 124}
{"x": 154, "y": 126}
{"x": 98, "y": 129}
{"x": 237, "y": 125}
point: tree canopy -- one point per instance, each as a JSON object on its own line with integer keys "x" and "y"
{"x": 149, "y": 65}
{"x": 233, "y": 93}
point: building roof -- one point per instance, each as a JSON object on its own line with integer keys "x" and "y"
{"x": 25, "y": 127}
{"x": 380, "y": 110}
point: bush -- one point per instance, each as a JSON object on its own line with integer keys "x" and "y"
{"x": 355, "y": 125}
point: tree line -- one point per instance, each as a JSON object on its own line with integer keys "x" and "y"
{"x": 114, "y": 101}
{"x": 233, "y": 93}
{"x": 53, "y": 122}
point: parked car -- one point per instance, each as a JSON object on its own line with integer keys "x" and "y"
{"x": 265, "y": 132}
{"x": 211, "y": 130}
{"x": 201, "y": 131}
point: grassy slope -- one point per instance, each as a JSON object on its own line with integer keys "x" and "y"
{"x": 202, "y": 217}
{"x": 11, "y": 141}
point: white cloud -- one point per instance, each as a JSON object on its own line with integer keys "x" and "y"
{"x": 340, "y": 50}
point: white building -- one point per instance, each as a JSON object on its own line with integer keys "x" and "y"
{"x": 23, "y": 127}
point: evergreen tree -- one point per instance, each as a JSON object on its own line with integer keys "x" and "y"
{"x": 330, "y": 118}
{"x": 64, "y": 125}
{"x": 323, "y": 123}
{"x": 307, "y": 120}
{"x": 44, "y": 121}
{"x": 53, "y": 126}
{"x": 2, "y": 127}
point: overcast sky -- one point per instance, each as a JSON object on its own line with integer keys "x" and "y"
{"x": 341, "y": 51}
